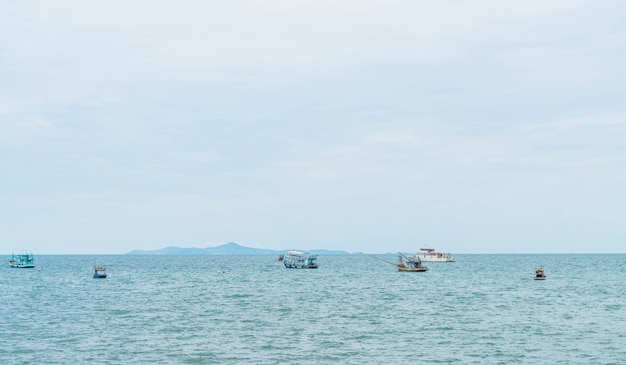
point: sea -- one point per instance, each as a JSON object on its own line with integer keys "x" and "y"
{"x": 353, "y": 309}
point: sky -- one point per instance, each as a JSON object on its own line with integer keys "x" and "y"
{"x": 482, "y": 126}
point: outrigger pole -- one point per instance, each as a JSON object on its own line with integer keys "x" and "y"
{"x": 379, "y": 259}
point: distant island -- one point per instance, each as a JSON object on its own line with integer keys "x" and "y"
{"x": 230, "y": 248}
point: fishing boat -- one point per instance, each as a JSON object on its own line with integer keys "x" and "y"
{"x": 99, "y": 271}
{"x": 410, "y": 265}
{"x": 281, "y": 258}
{"x": 539, "y": 274}
{"x": 430, "y": 255}
{"x": 300, "y": 260}
{"x": 22, "y": 261}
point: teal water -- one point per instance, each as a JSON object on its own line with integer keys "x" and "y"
{"x": 482, "y": 309}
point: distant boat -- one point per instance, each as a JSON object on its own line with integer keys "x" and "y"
{"x": 22, "y": 261}
{"x": 300, "y": 260}
{"x": 539, "y": 274}
{"x": 410, "y": 265}
{"x": 430, "y": 255}
{"x": 281, "y": 258}
{"x": 99, "y": 271}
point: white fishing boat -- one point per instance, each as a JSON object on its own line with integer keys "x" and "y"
{"x": 300, "y": 260}
{"x": 99, "y": 271}
{"x": 430, "y": 255}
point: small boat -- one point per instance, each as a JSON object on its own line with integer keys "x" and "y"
{"x": 99, "y": 271}
{"x": 539, "y": 274}
{"x": 300, "y": 260}
{"x": 22, "y": 261}
{"x": 410, "y": 265}
{"x": 281, "y": 258}
{"x": 430, "y": 255}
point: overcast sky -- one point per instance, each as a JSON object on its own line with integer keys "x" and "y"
{"x": 482, "y": 126}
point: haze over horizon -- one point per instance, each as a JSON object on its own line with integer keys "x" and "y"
{"x": 482, "y": 127}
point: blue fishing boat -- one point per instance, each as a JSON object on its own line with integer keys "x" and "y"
{"x": 22, "y": 261}
{"x": 300, "y": 260}
{"x": 100, "y": 272}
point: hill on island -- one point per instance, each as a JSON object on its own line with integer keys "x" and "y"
{"x": 230, "y": 248}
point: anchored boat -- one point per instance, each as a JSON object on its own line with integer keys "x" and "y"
{"x": 539, "y": 274}
{"x": 430, "y": 255}
{"x": 410, "y": 265}
{"x": 300, "y": 260}
{"x": 22, "y": 261}
{"x": 99, "y": 271}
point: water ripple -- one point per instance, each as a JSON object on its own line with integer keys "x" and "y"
{"x": 483, "y": 309}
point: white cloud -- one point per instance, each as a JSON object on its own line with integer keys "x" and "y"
{"x": 335, "y": 119}
{"x": 198, "y": 156}
{"x": 583, "y": 121}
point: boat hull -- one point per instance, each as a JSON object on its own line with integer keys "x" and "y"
{"x": 19, "y": 266}
{"x": 411, "y": 269}
{"x": 296, "y": 266}
{"x": 435, "y": 259}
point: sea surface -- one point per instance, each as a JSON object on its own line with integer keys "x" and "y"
{"x": 482, "y": 309}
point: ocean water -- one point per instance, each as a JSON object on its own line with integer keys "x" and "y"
{"x": 482, "y": 309}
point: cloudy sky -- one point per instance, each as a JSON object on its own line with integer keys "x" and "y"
{"x": 480, "y": 126}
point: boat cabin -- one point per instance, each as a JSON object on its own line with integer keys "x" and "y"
{"x": 300, "y": 260}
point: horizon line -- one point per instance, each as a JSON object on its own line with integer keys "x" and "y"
{"x": 329, "y": 254}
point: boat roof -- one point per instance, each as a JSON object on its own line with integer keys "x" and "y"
{"x": 427, "y": 249}
{"x": 300, "y": 253}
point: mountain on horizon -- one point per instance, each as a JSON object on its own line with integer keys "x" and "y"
{"x": 230, "y": 248}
